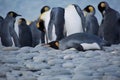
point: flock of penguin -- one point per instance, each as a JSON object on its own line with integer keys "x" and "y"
{"x": 64, "y": 28}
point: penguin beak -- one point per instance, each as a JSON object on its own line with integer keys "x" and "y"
{"x": 19, "y": 15}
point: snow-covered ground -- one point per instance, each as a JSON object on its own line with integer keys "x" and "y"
{"x": 43, "y": 63}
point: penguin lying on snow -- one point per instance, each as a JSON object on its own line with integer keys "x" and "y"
{"x": 110, "y": 26}
{"x": 25, "y": 36}
{"x": 7, "y": 30}
{"x": 91, "y": 24}
{"x": 79, "y": 41}
{"x": 74, "y": 19}
{"x": 53, "y": 23}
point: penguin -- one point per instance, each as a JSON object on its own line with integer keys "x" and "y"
{"x": 110, "y": 26}
{"x": 36, "y": 34}
{"x": 25, "y": 36}
{"x": 91, "y": 24}
{"x": 40, "y": 23}
{"x": 8, "y": 31}
{"x": 1, "y": 21}
{"x": 74, "y": 19}
{"x": 80, "y": 41}
{"x": 53, "y": 22}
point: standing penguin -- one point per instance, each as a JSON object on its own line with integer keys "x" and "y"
{"x": 36, "y": 34}
{"x": 53, "y": 21}
{"x": 74, "y": 19}
{"x": 7, "y": 30}
{"x": 91, "y": 24}
{"x": 25, "y": 36}
{"x": 40, "y": 23}
{"x": 1, "y": 21}
{"x": 110, "y": 26}
{"x": 79, "y": 41}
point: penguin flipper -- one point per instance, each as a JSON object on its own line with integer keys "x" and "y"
{"x": 78, "y": 47}
{"x": 15, "y": 38}
{"x": 50, "y": 26}
{"x": 81, "y": 15}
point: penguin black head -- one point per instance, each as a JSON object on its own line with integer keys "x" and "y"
{"x": 40, "y": 25}
{"x": 89, "y": 9}
{"x": 54, "y": 44}
{"x": 44, "y": 9}
{"x": 21, "y": 21}
{"x": 102, "y": 6}
{"x": 1, "y": 18}
{"x": 13, "y": 14}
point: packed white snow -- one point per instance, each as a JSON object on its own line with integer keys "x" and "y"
{"x": 44, "y": 63}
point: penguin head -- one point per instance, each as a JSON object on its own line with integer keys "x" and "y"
{"x": 1, "y": 18}
{"x": 102, "y": 6}
{"x": 13, "y": 14}
{"x": 89, "y": 10}
{"x": 44, "y": 9}
{"x": 54, "y": 44}
{"x": 21, "y": 21}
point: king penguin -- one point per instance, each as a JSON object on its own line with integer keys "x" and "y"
{"x": 79, "y": 41}
{"x": 91, "y": 24}
{"x": 74, "y": 19}
{"x": 110, "y": 26}
{"x": 40, "y": 23}
{"x": 53, "y": 21}
{"x": 1, "y": 21}
{"x": 7, "y": 30}
{"x": 36, "y": 34}
{"x": 25, "y": 36}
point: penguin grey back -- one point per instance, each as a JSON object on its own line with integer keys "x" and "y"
{"x": 76, "y": 40}
{"x": 56, "y": 20}
{"x": 25, "y": 36}
{"x": 36, "y": 34}
{"x": 91, "y": 25}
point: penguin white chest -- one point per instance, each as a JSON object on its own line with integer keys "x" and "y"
{"x": 73, "y": 22}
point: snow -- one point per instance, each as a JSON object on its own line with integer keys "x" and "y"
{"x": 44, "y": 63}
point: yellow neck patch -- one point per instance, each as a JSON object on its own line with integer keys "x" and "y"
{"x": 91, "y": 9}
{"x": 102, "y": 5}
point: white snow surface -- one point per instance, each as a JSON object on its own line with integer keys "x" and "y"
{"x": 44, "y": 63}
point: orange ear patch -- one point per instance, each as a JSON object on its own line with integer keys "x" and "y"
{"x": 46, "y": 8}
{"x": 11, "y": 14}
{"x": 91, "y": 9}
{"x": 57, "y": 44}
{"x": 102, "y": 5}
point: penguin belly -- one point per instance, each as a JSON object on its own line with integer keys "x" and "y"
{"x": 73, "y": 22}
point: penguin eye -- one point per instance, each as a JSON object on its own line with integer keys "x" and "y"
{"x": 91, "y": 9}
{"x": 103, "y": 5}
{"x": 11, "y": 14}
